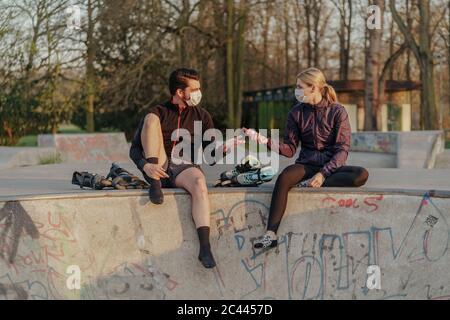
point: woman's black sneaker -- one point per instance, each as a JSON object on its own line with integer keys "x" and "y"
{"x": 265, "y": 242}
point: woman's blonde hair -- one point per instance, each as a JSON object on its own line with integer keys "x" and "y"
{"x": 315, "y": 77}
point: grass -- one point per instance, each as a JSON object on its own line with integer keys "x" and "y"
{"x": 31, "y": 140}
{"x": 447, "y": 145}
{"x": 27, "y": 141}
{"x": 52, "y": 159}
{"x": 70, "y": 128}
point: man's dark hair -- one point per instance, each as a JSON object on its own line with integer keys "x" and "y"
{"x": 179, "y": 79}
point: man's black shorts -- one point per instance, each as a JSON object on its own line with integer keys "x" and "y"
{"x": 173, "y": 170}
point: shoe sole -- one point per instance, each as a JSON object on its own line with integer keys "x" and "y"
{"x": 206, "y": 267}
{"x": 273, "y": 245}
{"x": 157, "y": 201}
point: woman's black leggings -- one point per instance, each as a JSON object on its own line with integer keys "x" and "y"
{"x": 346, "y": 176}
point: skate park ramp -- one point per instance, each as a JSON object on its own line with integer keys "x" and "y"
{"x": 76, "y": 148}
{"x": 117, "y": 245}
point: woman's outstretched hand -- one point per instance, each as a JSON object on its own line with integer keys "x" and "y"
{"x": 233, "y": 142}
{"x": 317, "y": 180}
{"x": 255, "y": 136}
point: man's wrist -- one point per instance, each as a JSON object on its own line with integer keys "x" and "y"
{"x": 141, "y": 164}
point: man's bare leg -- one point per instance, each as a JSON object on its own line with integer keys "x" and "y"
{"x": 194, "y": 182}
{"x": 153, "y": 145}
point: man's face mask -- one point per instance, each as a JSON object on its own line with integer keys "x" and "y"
{"x": 195, "y": 98}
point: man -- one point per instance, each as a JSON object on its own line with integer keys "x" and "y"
{"x": 152, "y": 151}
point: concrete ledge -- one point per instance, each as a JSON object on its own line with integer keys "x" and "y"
{"x": 263, "y": 189}
{"x": 128, "y": 248}
{"x": 372, "y": 159}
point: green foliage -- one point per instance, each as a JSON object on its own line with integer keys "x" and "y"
{"x": 27, "y": 141}
{"x": 52, "y": 159}
{"x": 30, "y": 108}
{"x": 17, "y": 114}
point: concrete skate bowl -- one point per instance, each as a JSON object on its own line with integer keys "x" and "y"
{"x": 117, "y": 245}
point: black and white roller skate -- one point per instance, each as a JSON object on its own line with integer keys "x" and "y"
{"x": 248, "y": 174}
{"x": 247, "y": 164}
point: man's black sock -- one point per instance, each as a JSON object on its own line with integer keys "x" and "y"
{"x": 205, "y": 255}
{"x": 155, "y": 193}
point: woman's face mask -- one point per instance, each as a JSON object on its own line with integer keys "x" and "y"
{"x": 300, "y": 95}
{"x": 194, "y": 99}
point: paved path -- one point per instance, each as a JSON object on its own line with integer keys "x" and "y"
{"x": 56, "y": 178}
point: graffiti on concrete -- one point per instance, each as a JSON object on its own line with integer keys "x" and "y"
{"x": 374, "y": 142}
{"x": 328, "y": 266}
{"x": 324, "y": 251}
{"x": 15, "y": 221}
{"x": 15, "y": 291}
{"x": 87, "y": 147}
{"x": 44, "y": 243}
{"x": 130, "y": 281}
{"x": 37, "y": 270}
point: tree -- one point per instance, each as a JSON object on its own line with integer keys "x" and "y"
{"x": 445, "y": 36}
{"x": 345, "y": 9}
{"x": 424, "y": 56}
{"x": 31, "y": 100}
{"x": 317, "y": 17}
{"x": 90, "y": 70}
{"x": 236, "y": 20}
{"x": 230, "y": 62}
{"x": 373, "y": 69}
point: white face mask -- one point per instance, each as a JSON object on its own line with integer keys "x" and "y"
{"x": 195, "y": 98}
{"x": 300, "y": 95}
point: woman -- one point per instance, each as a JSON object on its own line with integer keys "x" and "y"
{"x": 322, "y": 127}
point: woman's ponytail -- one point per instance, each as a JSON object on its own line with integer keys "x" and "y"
{"x": 329, "y": 93}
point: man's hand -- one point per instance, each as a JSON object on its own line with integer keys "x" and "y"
{"x": 155, "y": 171}
{"x": 317, "y": 180}
{"x": 255, "y": 136}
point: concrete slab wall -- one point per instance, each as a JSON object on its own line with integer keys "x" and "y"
{"x": 379, "y": 142}
{"x": 415, "y": 149}
{"x": 13, "y": 157}
{"x": 419, "y": 149}
{"x": 87, "y": 147}
{"x": 372, "y": 159}
{"x": 127, "y": 248}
